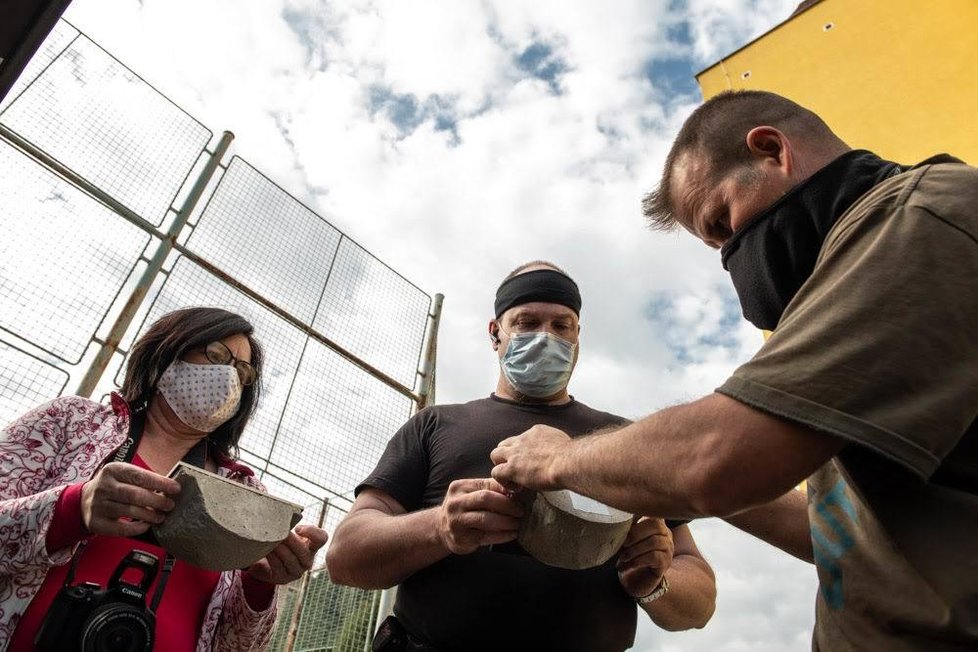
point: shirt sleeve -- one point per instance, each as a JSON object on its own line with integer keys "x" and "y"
{"x": 880, "y": 346}
{"x": 67, "y": 527}
{"x": 32, "y": 449}
{"x": 240, "y": 628}
{"x": 402, "y": 471}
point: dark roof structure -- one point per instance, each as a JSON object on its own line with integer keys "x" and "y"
{"x": 805, "y": 4}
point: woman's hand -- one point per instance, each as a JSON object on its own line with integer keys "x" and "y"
{"x": 291, "y": 558}
{"x": 123, "y": 500}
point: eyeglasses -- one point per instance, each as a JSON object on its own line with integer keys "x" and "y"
{"x": 219, "y": 353}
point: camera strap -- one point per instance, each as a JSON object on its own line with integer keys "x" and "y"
{"x": 158, "y": 594}
{"x": 197, "y": 456}
{"x": 70, "y": 577}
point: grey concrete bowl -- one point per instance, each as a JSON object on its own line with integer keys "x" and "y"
{"x": 567, "y": 530}
{"x": 219, "y": 524}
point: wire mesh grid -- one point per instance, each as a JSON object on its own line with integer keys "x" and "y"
{"x": 335, "y": 618}
{"x": 25, "y": 382}
{"x": 98, "y": 118}
{"x": 264, "y": 237}
{"x": 188, "y": 284}
{"x": 337, "y": 422}
{"x": 286, "y": 604}
{"x": 373, "y": 312}
{"x": 57, "y": 40}
{"x": 332, "y": 617}
{"x": 63, "y": 257}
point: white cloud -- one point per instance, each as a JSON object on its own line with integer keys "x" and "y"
{"x": 765, "y": 599}
{"x": 526, "y": 173}
{"x": 719, "y": 27}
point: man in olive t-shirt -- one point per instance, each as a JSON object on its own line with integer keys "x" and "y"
{"x": 867, "y": 273}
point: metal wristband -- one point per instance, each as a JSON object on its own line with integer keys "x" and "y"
{"x": 657, "y": 592}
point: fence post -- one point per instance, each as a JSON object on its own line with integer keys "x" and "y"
{"x": 111, "y": 344}
{"x": 300, "y": 598}
{"x": 369, "y": 638}
{"x": 426, "y": 388}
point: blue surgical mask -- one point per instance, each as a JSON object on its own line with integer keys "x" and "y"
{"x": 538, "y": 364}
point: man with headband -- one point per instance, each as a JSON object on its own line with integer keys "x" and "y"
{"x": 430, "y": 518}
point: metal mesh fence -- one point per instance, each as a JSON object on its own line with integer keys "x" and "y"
{"x": 316, "y": 614}
{"x": 26, "y": 381}
{"x": 342, "y": 332}
{"x": 331, "y": 399}
{"x": 331, "y": 617}
{"x": 98, "y": 118}
{"x": 373, "y": 312}
{"x": 287, "y": 598}
{"x": 262, "y": 236}
{"x": 63, "y": 257}
{"x": 335, "y": 618}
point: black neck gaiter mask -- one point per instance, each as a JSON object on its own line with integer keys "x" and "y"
{"x": 772, "y": 255}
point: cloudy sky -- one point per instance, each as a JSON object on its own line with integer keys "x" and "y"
{"x": 458, "y": 139}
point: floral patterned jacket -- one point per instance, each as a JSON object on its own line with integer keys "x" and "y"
{"x": 64, "y": 442}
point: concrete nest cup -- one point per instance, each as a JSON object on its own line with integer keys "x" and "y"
{"x": 219, "y": 524}
{"x": 567, "y": 530}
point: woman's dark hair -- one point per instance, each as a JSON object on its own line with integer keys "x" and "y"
{"x": 170, "y": 337}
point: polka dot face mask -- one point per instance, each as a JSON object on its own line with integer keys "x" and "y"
{"x": 203, "y": 396}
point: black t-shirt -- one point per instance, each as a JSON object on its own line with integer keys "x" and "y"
{"x": 501, "y": 598}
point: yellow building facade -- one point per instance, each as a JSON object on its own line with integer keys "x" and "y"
{"x": 898, "y": 77}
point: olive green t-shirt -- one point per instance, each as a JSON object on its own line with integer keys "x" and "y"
{"x": 880, "y": 348}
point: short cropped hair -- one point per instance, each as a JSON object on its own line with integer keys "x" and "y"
{"x": 172, "y": 335}
{"x": 718, "y": 129}
{"x": 534, "y": 263}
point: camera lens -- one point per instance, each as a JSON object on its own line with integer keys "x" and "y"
{"x": 120, "y": 639}
{"x": 118, "y": 628}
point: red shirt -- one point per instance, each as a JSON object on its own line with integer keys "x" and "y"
{"x": 185, "y": 599}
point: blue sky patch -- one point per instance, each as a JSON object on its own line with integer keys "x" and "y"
{"x": 540, "y": 62}
{"x": 672, "y": 76}
{"x": 688, "y": 339}
{"x": 407, "y": 112}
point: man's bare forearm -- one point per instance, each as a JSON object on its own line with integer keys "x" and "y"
{"x": 691, "y": 599}
{"x": 712, "y": 457}
{"x": 375, "y": 550}
{"x": 783, "y": 523}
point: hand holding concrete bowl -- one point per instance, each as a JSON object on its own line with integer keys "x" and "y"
{"x": 219, "y": 524}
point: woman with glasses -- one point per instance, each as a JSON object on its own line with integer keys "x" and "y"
{"x": 84, "y": 482}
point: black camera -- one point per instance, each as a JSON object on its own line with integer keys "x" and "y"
{"x": 88, "y": 618}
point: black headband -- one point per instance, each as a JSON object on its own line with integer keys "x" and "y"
{"x": 546, "y": 285}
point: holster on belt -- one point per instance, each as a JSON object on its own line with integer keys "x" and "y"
{"x": 392, "y": 637}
